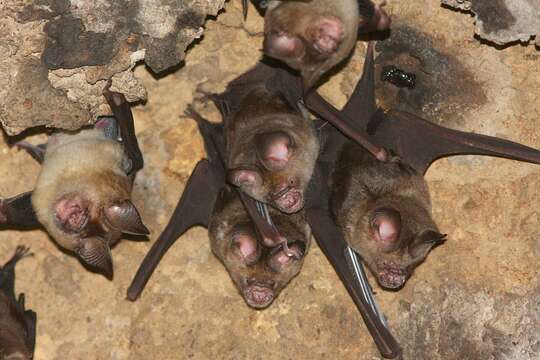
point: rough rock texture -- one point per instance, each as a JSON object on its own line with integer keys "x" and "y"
{"x": 58, "y": 55}
{"x": 503, "y": 21}
{"x": 476, "y": 297}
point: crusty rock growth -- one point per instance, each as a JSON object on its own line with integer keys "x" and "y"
{"x": 60, "y": 54}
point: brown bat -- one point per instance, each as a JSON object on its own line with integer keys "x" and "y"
{"x": 17, "y": 325}
{"x": 82, "y": 196}
{"x": 209, "y": 176}
{"x": 271, "y": 148}
{"x": 259, "y": 272}
{"x": 313, "y": 36}
{"x": 384, "y": 208}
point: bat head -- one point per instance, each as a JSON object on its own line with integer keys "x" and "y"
{"x": 306, "y": 39}
{"x": 93, "y": 226}
{"x": 398, "y": 238}
{"x": 281, "y": 171}
{"x": 259, "y": 273}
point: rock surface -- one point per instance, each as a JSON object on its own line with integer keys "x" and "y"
{"x": 503, "y": 21}
{"x": 476, "y": 297}
{"x": 60, "y": 54}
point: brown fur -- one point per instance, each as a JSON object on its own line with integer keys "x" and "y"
{"x": 363, "y": 184}
{"x": 87, "y": 163}
{"x": 228, "y": 213}
{"x": 262, "y": 112}
{"x": 295, "y": 18}
{"x": 12, "y": 332}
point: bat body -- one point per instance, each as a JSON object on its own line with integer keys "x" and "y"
{"x": 259, "y": 272}
{"x": 82, "y": 196}
{"x": 313, "y": 36}
{"x": 384, "y": 211}
{"x": 17, "y": 325}
{"x": 271, "y": 149}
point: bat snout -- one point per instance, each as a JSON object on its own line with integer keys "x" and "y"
{"x": 259, "y": 295}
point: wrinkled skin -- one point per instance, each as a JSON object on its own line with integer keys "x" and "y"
{"x": 259, "y": 273}
{"x": 384, "y": 210}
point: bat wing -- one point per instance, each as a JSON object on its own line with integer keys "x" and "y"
{"x": 27, "y": 318}
{"x": 195, "y": 206}
{"x": 334, "y": 246}
{"x": 18, "y": 212}
{"x": 357, "y": 112}
{"x": 419, "y": 142}
{"x": 122, "y": 112}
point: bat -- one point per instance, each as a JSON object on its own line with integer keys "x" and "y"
{"x": 315, "y": 35}
{"x": 259, "y": 272}
{"x": 384, "y": 209}
{"x": 18, "y": 329}
{"x": 209, "y": 177}
{"x": 83, "y": 194}
{"x": 271, "y": 149}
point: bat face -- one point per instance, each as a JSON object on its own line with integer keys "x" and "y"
{"x": 272, "y": 152}
{"x": 385, "y": 213}
{"x": 258, "y": 272}
{"x": 310, "y": 36}
{"x": 82, "y": 196}
{"x": 394, "y": 238}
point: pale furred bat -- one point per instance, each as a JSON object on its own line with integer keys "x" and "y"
{"x": 83, "y": 194}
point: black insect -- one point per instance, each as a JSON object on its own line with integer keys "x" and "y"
{"x": 398, "y": 77}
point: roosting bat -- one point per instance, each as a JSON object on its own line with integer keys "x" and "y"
{"x": 202, "y": 189}
{"x": 17, "y": 325}
{"x": 258, "y": 271}
{"x": 82, "y": 196}
{"x": 270, "y": 148}
{"x": 384, "y": 208}
{"x": 314, "y": 35}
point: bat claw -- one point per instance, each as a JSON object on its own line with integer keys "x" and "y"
{"x": 382, "y": 155}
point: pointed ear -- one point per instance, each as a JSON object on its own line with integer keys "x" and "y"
{"x": 274, "y": 149}
{"x": 96, "y": 253}
{"x": 386, "y": 224}
{"x": 244, "y": 177}
{"x": 431, "y": 237}
{"x": 124, "y": 217}
{"x": 282, "y": 46}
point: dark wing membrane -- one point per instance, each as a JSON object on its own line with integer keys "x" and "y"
{"x": 332, "y": 243}
{"x": 18, "y": 212}
{"x": 194, "y": 208}
{"x": 122, "y": 112}
{"x": 419, "y": 142}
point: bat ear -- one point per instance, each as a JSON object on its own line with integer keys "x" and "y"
{"x": 96, "y": 253}
{"x": 244, "y": 177}
{"x": 246, "y": 246}
{"x": 282, "y": 46}
{"x": 386, "y": 225}
{"x": 431, "y": 237}
{"x": 274, "y": 149}
{"x": 124, "y": 216}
